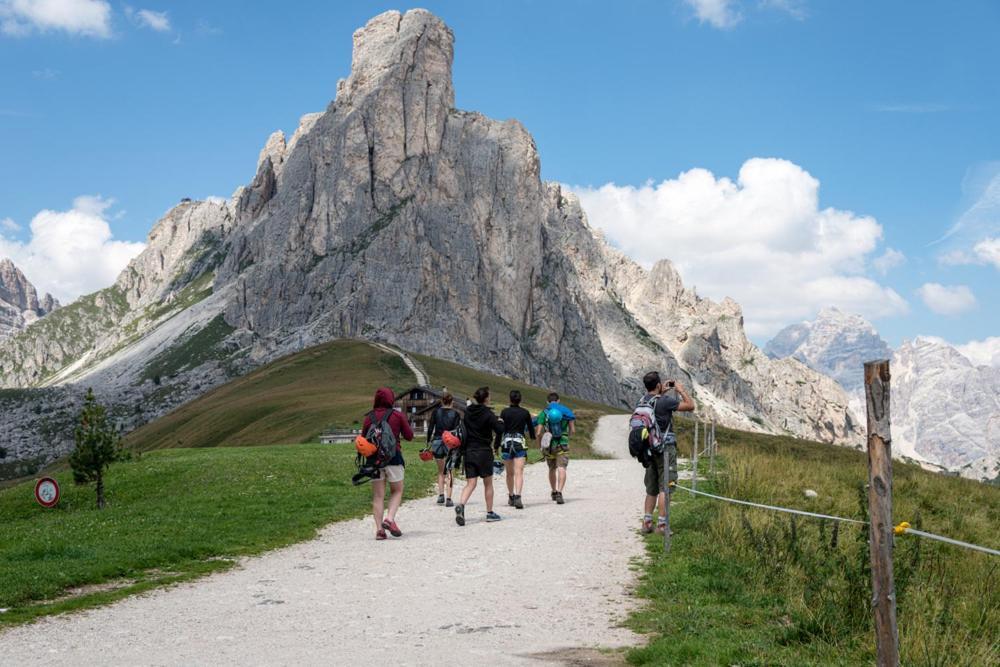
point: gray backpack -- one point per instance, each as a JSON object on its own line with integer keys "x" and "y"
{"x": 380, "y": 434}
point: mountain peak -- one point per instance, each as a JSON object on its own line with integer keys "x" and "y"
{"x": 19, "y": 303}
{"x": 836, "y": 343}
{"x": 412, "y": 48}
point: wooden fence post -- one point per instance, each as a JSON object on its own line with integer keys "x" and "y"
{"x": 880, "y": 512}
{"x": 694, "y": 459}
{"x": 711, "y": 450}
{"x": 666, "y": 503}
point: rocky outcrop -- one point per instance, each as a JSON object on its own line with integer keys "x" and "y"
{"x": 394, "y": 217}
{"x": 648, "y": 319}
{"x": 836, "y": 344}
{"x": 945, "y": 409}
{"x": 19, "y": 302}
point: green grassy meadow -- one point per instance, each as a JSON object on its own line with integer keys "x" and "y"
{"x": 749, "y": 587}
{"x": 174, "y": 514}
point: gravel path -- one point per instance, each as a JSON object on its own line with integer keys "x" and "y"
{"x": 549, "y": 579}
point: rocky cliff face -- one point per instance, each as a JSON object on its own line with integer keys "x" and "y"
{"x": 393, "y": 216}
{"x": 19, "y": 302}
{"x": 945, "y": 410}
{"x": 836, "y": 344}
{"x": 650, "y": 320}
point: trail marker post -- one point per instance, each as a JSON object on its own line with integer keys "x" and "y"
{"x": 877, "y": 399}
{"x": 694, "y": 459}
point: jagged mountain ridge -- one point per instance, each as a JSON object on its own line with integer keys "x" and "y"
{"x": 945, "y": 409}
{"x": 835, "y": 344}
{"x": 393, "y": 216}
{"x": 19, "y": 302}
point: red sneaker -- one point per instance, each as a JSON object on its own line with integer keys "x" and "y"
{"x": 392, "y": 528}
{"x": 380, "y": 534}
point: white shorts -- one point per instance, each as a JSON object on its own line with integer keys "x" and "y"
{"x": 393, "y": 473}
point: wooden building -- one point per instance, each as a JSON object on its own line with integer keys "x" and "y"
{"x": 419, "y": 403}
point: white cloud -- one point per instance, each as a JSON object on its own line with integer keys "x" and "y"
{"x": 71, "y": 252}
{"x": 721, "y": 14}
{"x": 46, "y": 73}
{"x": 206, "y": 29}
{"x": 888, "y": 260}
{"x": 9, "y": 225}
{"x": 988, "y": 251}
{"x": 794, "y": 8}
{"x": 947, "y": 299}
{"x": 984, "y": 352}
{"x": 90, "y": 18}
{"x": 974, "y": 238}
{"x": 761, "y": 239}
{"x": 148, "y": 18}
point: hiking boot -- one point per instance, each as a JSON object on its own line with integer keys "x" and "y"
{"x": 554, "y": 494}
{"x": 492, "y": 516}
{"x": 559, "y": 499}
{"x": 460, "y": 514}
{"x": 660, "y": 527}
{"x": 380, "y": 534}
{"x": 510, "y": 500}
{"x": 448, "y": 503}
{"x": 517, "y": 503}
{"x": 647, "y": 526}
{"x": 441, "y": 499}
{"x": 392, "y": 528}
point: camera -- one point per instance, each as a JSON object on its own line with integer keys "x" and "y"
{"x": 671, "y": 384}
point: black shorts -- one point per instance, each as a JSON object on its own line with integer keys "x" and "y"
{"x": 478, "y": 463}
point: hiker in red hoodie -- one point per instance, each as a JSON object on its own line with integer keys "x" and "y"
{"x": 393, "y": 472}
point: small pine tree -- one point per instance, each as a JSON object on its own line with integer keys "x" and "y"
{"x": 98, "y": 445}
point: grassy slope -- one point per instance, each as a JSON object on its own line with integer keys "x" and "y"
{"x": 289, "y": 401}
{"x": 742, "y": 587}
{"x": 203, "y": 494}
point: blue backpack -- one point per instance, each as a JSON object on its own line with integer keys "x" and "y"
{"x": 554, "y": 421}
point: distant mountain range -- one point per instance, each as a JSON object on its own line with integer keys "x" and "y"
{"x": 393, "y": 216}
{"x": 19, "y": 302}
{"x": 945, "y": 408}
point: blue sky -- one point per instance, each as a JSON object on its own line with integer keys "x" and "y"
{"x": 890, "y": 107}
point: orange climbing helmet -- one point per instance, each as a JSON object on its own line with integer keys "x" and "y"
{"x": 450, "y": 440}
{"x": 426, "y": 455}
{"x": 364, "y": 447}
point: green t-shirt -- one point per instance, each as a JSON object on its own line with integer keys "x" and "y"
{"x": 543, "y": 419}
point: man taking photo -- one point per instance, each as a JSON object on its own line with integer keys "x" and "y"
{"x": 665, "y": 398}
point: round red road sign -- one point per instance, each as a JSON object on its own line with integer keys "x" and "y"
{"x": 47, "y": 492}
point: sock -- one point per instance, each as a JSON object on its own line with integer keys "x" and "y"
{"x": 662, "y": 521}
{"x": 647, "y": 517}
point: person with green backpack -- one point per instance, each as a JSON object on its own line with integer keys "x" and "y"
{"x": 554, "y": 425}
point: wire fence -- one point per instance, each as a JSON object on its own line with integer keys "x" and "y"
{"x": 902, "y": 528}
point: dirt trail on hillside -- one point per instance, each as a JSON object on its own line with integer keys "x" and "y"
{"x": 545, "y": 579}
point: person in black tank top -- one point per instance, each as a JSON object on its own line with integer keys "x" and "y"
{"x": 445, "y": 418}
{"x": 480, "y": 427}
{"x": 518, "y": 426}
